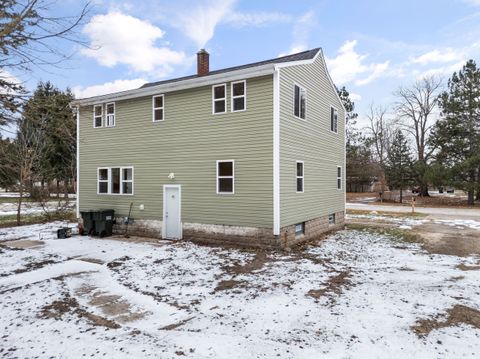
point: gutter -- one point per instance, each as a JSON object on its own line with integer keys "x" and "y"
{"x": 179, "y": 85}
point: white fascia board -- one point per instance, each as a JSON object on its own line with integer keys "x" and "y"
{"x": 180, "y": 85}
{"x": 78, "y": 164}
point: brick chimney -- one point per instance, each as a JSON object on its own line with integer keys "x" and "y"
{"x": 203, "y": 63}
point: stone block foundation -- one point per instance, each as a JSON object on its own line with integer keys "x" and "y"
{"x": 249, "y": 237}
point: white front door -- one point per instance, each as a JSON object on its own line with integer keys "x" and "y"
{"x": 172, "y": 222}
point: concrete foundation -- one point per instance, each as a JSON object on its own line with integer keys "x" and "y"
{"x": 239, "y": 236}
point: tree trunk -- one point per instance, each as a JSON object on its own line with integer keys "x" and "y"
{"x": 401, "y": 195}
{"x": 19, "y": 207}
{"x": 58, "y": 188}
{"x": 65, "y": 189}
{"x": 424, "y": 191}
{"x": 471, "y": 197}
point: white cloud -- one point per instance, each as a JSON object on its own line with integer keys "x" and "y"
{"x": 10, "y": 78}
{"x": 108, "y": 87}
{"x": 355, "y": 97}
{"x": 444, "y": 55}
{"x": 349, "y": 64}
{"x": 377, "y": 71}
{"x": 472, "y": 2}
{"x": 255, "y": 18}
{"x": 441, "y": 71}
{"x": 116, "y": 38}
{"x": 199, "y": 21}
{"x": 301, "y": 32}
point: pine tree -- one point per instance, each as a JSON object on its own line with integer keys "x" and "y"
{"x": 457, "y": 134}
{"x": 398, "y": 167}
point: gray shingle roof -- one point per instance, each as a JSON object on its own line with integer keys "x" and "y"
{"x": 305, "y": 55}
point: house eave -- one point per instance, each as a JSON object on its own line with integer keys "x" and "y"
{"x": 180, "y": 85}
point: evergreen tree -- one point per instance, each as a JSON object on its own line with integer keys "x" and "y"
{"x": 457, "y": 134}
{"x": 398, "y": 167}
{"x": 49, "y": 108}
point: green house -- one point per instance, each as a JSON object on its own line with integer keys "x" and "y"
{"x": 250, "y": 155}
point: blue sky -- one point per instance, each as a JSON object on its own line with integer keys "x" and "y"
{"x": 372, "y": 47}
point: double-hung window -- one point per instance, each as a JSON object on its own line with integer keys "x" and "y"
{"x": 115, "y": 180}
{"x": 97, "y": 115}
{"x": 225, "y": 176}
{"x": 299, "y": 105}
{"x": 219, "y": 98}
{"x": 158, "y": 108}
{"x": 300, "y": 176}
{"x": 333, "y": 119}
{"x": 110, "y": 116}
{"x": 339, "y": 177}
{"x": 103, "y": 175}
{"x": 239, "y": 96}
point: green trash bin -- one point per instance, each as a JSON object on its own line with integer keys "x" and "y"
{"x": 88, "y": 222}
{"x": 104, "y": 222}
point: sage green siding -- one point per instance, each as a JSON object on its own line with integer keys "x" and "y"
{"x": 311, "y": 141}
{"x": 188, "y": 143}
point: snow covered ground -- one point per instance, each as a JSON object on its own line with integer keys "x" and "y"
{"x": 8, "y": 209}
{"x": 353, "y": 295}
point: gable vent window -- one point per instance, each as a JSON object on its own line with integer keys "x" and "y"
{"x": 158, "y": 108}
{"x": 333, "y": 119}
{"x": 219, "y": 94}
{"x": 225, "y": 177}
{"x": 300, "y": 98}
{"x": 239, "y": 96}
{"x": 97, "y": 116}
{"x": 110, "y": 118}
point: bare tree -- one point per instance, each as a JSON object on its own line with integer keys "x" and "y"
{"x": 416, "y": 108}
{"x": 380, "y": 128}
{"x": 30, "y": 37}
{"x": 22, "y": 158}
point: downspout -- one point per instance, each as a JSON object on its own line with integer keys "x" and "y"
{"x": 276, "y": 153}
{"x": 78, "y": 162}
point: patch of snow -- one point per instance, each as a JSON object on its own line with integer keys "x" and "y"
{"x": 229, "y": 303}
{"x": 459, "y": 223}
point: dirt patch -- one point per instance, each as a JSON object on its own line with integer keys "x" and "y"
{"x": 459, "y": 314}
{"x": 118, "y": 262}
{"x": 227, "y": 285}
{"x": 443, "y": 239}
{"x": 255, "y": 264}
{"x": 59, "y": 308}
{"x": 92, "y": 260}
{"x": 335, "y": 285}
{"x": 176, "y": 325}
{"x": 34, "y": 265}
{"x": 23, "y": 244}
{"x": 465, "y": 267}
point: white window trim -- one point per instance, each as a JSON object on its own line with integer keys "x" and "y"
{"x": 109, "y": 182}
{"x": 299, "y": 108}
{"x": 302, "y": 176}
{"x": 158, "y": 108}
{"x": 339, "y": 178}
{"x": 240, "y": 96}
{"x": 101, "y": 116}
{"x": 114, "y": 115}
{"x": 219, "y": 99}
{"x": 219, "y": 177}
{"x": 336, "y": 110}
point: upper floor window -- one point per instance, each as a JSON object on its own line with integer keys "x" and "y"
{"x": 300, "y": 176}
{"x": 115, "y": 180}
{"x": 300, "y": 98}
{"x": 219, "y": 98}
{"x": 333, "y": 119}
{"x": 158, "y": 108}
{"x": 339, "y": 177}
{"x": 97, "y": 116}
{"x": 239, "y": 96}
{"x": 110, "y": 118}
{"x": 225, "y": 176}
